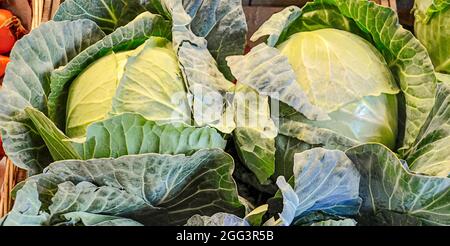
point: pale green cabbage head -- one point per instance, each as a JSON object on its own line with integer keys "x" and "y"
{"x": 92, "y": 93}
{"x": 345, "y": 75}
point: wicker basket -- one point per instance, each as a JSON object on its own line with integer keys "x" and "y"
{"x": 257, "y": 12}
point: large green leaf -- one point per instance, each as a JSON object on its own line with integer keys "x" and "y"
{"x": 274, "y": 27}
{"x": 181, "y": 186}
{"x": 429, "y": 155}
{"x": 223, "y": 24}
{"x": 255, "y": 133}
{"x": 88, "y": 219}
{"x": 88, "y": 198}
{"x": 394, "y": 195}
{"x": 427, "y": 9}
{"x": 26, "y": 84}
{"x": 315, "y": 135}
{"x": 432, "y": 19}
{"x": 108, "y": 14}
{"x": 27, "y": 210}
{"x": 57, "y": 143}
{"x": 346, "y": 222}
{"x": 325, "y": 180}
{"x": 286, "y": 148}
{"x": 128, "y": 37}
{"x": 219, "y": 219}
{"x": 125, "y": 134}
{"x": 47, "y": 200}
{"x": 32, "y": 201}
{"x": 130, "y": 134}
{"x": 150, "y": 189}
{"x": 256, "y": 151}
{"x": 209, "y": 90}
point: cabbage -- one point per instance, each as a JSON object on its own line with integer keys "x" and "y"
{"x": 327, "y": 63}
{"x": 115, "y": 78}
{"x": 361, "y": 119}
{"x": 432, "y": 19}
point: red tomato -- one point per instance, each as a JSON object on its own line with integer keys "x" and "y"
{"x": 7, "y": 38}
{"x": 3, "y": 62}
{"x": 5, "y": 15}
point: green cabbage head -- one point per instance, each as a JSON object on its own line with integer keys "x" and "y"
{"x": 345, "y": 75}
{"x": 126, "y": 80}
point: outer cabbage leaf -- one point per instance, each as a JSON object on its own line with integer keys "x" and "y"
{"x": 57, "y": 143}
{"x": 325, "y": 180}
{"x": 219, "y": 219}
{"x": 315, "y": 135}
{"x": 208, "y": 88}
{"x": 255, "y": 133}
{"x": 346, "y": 222}
{"x": 432, "y": 19}
{"x": 150, "y": 189}
{"x": 394, "y": 195}
{"x": 126, "y": 134}
{"x": 223, "y": 24}
{"x": 271, "y": 28}
{"x": 88, "y": 198}
{"x": 429, "y": 8}
{"x": 286, "y": 148}
{"x": 180, "y": 186}
{"x": 48, "y": 200}
{"x": 27, "y": 210}
{"x": 87, "y": 219}
{"x": 130, "y": 134}
{"x": 291, "y": 22}
{"x": 429, "y": 155}
{"x": 26, "y": 84}
{"x": 108, "y": 14}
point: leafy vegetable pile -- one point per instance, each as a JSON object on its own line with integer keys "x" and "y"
{"x": 125, "y": 114}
